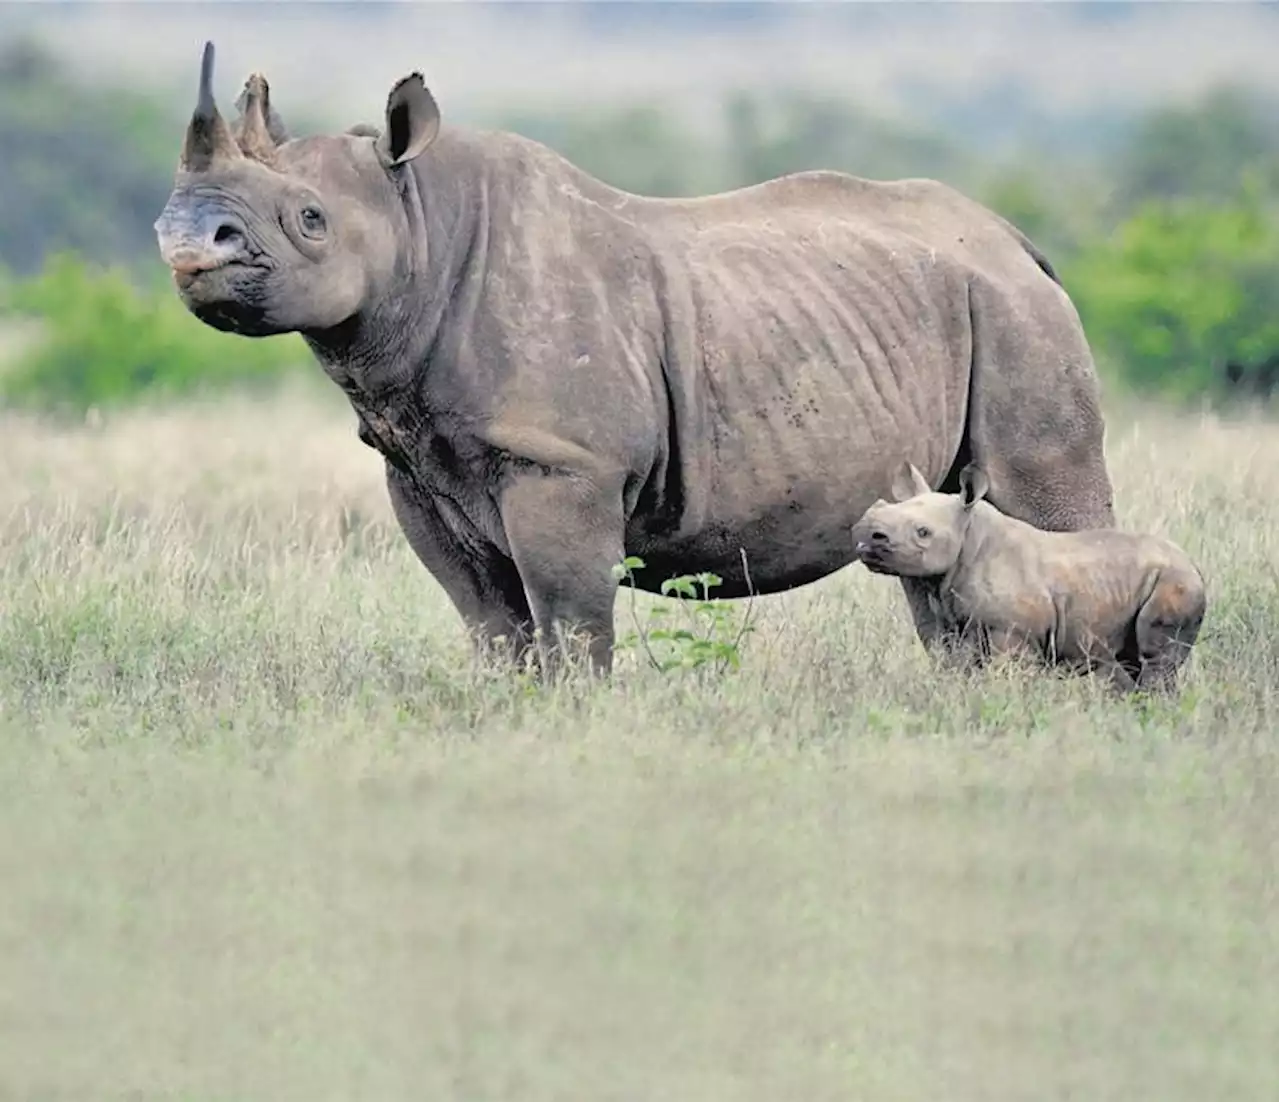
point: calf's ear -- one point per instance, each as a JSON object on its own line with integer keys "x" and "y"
{"x": 974, "y": 485}
{"x": 413, "y": 121}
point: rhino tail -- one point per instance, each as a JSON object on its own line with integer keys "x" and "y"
{"x": 1033, "y": 251}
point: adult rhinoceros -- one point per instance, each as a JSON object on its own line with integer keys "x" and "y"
{"x": 559, "y": 373}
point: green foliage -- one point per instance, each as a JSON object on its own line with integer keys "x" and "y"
{"x": 1181, "y": 287}
{"x": 106, "y": 341}
{"x": 697, "y": 633}
{"x": 1021, "y": 200}
{"x": 1056, "y": 211}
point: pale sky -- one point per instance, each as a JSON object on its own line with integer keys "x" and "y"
{"x": 479, "y": 57}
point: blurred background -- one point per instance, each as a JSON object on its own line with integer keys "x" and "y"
{"x": 1135, "y": 142}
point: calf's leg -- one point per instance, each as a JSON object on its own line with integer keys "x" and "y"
{"x": 1074, "y": 645}
{"x": 938, "y": 637}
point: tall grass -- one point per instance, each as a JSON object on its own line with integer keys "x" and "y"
{"x": 269, "y": 833}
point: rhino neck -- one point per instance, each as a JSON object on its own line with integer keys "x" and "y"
{"x": 439, "y": 208}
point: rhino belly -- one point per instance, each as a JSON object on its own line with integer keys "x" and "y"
{"x": 818, "y": 372}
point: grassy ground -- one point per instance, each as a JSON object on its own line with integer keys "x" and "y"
{"x": 266, "y": 834}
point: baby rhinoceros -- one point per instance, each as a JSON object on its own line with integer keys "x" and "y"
{"x": 1119, "y": 603}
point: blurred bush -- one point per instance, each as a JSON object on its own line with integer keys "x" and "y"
{"x": 83, "y": 168}
{"x": 1202, "y": 150}
{"x": 104, "y": 340}
{"x": 1182, "y": 289}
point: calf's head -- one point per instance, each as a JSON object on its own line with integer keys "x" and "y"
{"x": 920, "y": 533}
{"x": 270, "y": 235}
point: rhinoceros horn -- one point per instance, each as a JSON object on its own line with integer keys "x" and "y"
{"x": 259, "y": 129}
{"x": 209, "y": 137}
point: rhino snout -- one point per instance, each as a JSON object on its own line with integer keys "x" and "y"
{"x": 868, "y": 541}
{"x": 200, "y": 240}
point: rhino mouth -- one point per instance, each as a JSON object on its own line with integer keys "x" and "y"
{"x": 875, "y": 557}
{"x": 229, "y": 298}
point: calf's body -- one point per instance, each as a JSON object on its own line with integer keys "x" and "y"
{"x": 1126, "y": 604}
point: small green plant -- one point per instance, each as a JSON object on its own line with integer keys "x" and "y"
{"x": 698, "y": 632}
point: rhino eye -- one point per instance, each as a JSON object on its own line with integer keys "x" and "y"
{"x": 923, "y": 533}
{"x": 312, "y": 219}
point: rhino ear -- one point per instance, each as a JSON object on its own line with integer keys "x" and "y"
{"x": 908, "y": 482}
{"x": 413, "y": 121}
{"x": 974, "y": 485}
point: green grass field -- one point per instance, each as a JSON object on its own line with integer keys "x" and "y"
{"x": 267, "y": 833}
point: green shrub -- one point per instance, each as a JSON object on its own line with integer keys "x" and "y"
{"x": 1180, "y": 288}
{"x": 106, "y": 341}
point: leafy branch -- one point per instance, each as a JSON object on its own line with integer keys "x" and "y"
{"x": 698, "y": 632}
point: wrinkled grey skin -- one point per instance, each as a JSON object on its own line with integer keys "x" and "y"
{"x": 559, "y": 373}
{"x": 1128, "y": 605}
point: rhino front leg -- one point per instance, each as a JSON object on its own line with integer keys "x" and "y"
{"x": 485, "y": 589}
{"x": 566, "y": 535}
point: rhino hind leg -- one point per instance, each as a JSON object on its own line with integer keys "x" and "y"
{"x": 1118, "y": 669}
{"x": 1072, "y": 646}
{"x": 1035, "y": 421}
{"x": 1167, "y": 626}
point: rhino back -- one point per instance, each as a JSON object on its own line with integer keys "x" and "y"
{"x": 815, "y": 325}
